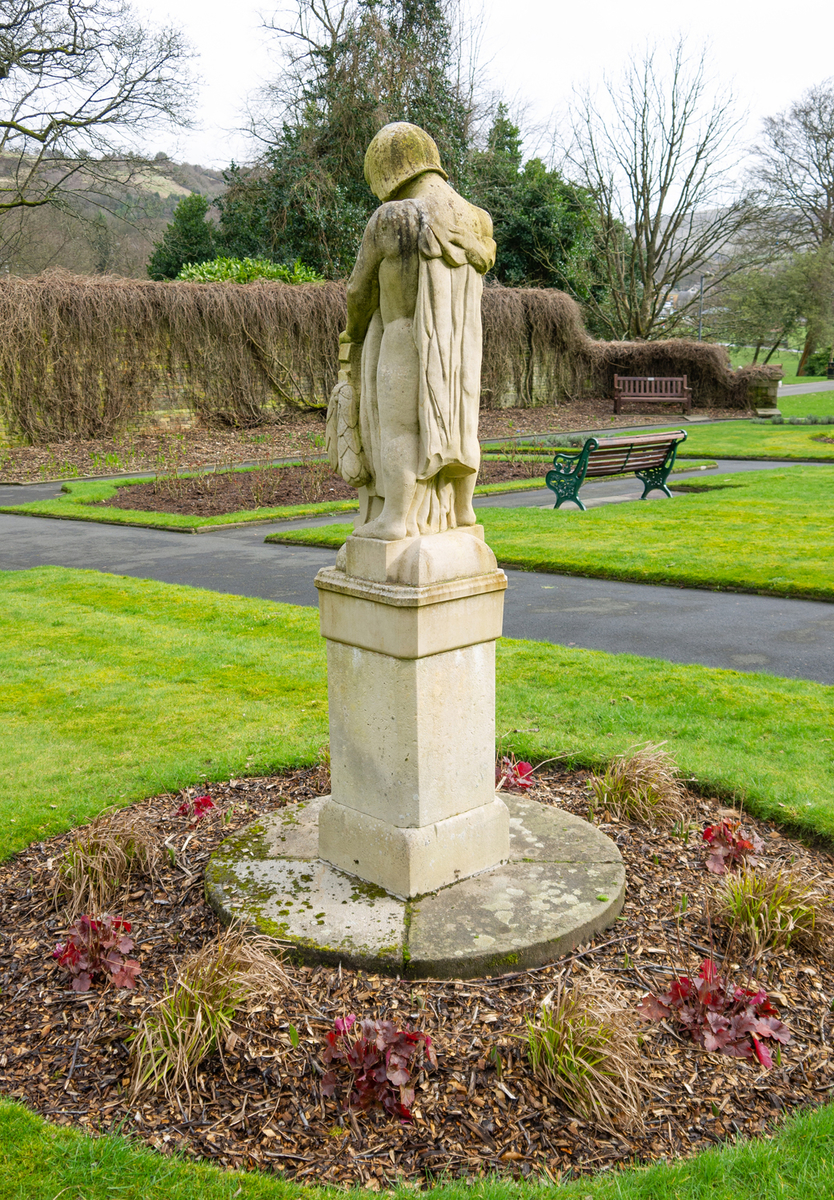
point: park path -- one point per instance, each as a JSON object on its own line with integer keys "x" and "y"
{"x": 793, "y": 638}
{"x": 804, "y": 389}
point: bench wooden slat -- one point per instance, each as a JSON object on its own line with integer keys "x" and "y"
{"x": 652, "y": 389}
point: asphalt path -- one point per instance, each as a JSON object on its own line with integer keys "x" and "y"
{"x": 793, "y": 638}
{"x": 804, "y": 389}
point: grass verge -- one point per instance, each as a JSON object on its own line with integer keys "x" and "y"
{"x": 741, "y": 439}
{"x": 115, "y": 688}
{"x": 74, "y": 505}
{"x": 77, "y": 499}
{"x": 766, "y": 531}
{"x": 820, "y": 404}
{"x": 39, "y": 1161}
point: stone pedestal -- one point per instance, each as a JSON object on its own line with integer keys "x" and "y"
{"x": 411, "y": 629}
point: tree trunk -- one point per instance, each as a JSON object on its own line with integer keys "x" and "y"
{"x": 806, "y": 350}
{"x": 772, "y": 349}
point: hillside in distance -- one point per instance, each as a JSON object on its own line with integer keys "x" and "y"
{"x": 102, "y": 227}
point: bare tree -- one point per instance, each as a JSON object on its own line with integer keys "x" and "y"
{"x": 656, "y": 154}
{"x": 796, "y": 167}
{"x": 80, "y": 82}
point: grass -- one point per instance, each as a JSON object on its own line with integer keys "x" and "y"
{"x": 229, "y": 975}
{"x": 583, "y": 1045}
{"x": 39, "y": 1161}
{"x": 775, "y": 906}
{"x": 73, "y": 505}
{"x": 642, "y": 785}
{"x": 742, "y": 356}
{"x": 820, "y": 404}
{"x": 112, "y": 689}
{"x": 102, "y": 860}
{"x": 765, "y": 531}
{"x": 115, "y": 688}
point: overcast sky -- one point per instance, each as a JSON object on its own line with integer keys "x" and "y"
{"x": 534, "y": 51}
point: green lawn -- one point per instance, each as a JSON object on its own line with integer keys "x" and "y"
{"x": 42, "y": 1162}
{"x": 114, "y": 688}
{"x": 763, "y": 531}
{"x": 77, "y": 501}
{"x": 787, "y": 359}
{"x": 743, "y": 439}
{"x": 820, "y": 404}
{"x": 73, "y": 505}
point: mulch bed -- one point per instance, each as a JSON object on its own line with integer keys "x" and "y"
{"x": 64, "y": 1054}
{"x": 213, "y": 494}
{"x": 298, "y": 435}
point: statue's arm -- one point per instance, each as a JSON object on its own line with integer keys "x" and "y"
{"x": 363, "y": 285}
{"x": 392, "y": 232}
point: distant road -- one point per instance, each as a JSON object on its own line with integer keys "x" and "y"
{"x": 802, "y": 389}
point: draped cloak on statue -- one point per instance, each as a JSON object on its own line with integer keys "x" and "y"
{"x": 448, "y": 337}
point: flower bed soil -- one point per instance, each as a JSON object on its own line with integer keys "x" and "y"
{"x": 298, "y": 435}
{"x": 64, "y": 1054}
{"x": 212, "y": 495}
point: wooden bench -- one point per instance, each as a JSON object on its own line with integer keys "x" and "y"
{"x": 652, "y": 390}
{"x": 650, "y": 456}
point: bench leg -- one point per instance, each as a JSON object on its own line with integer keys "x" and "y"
{"x": 566, "y": 487}
{"x": 564, "y": 499}
{"x": 654, "y": 479}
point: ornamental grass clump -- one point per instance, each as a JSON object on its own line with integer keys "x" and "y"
{"x": 102, "y": 860}
{"x": 583, "y": 1046}
{"x": 212, "y": 990}
{"x": 773, "y": 908}
{"x": 642, "y": 785}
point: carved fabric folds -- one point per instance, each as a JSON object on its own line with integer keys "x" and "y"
{"x": 449, "y": 339}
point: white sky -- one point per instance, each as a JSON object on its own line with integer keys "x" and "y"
{"x": 533, "y": 50}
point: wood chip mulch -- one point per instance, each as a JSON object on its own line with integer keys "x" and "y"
{"x": 65, "y": 1055}
{"x": 296, "y": 435}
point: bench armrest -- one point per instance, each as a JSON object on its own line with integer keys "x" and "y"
{"x": 567, "y": 464}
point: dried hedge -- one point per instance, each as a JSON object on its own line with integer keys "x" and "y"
{"x": 84, "y": 356}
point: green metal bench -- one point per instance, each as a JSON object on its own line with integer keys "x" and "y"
{"x": 649, "y": 456}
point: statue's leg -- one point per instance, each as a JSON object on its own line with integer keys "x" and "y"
{"x": 464, "y": 491}
{"x": 397, "y": 389}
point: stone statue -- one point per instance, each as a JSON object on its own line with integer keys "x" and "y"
{"x": 402, "y": 423}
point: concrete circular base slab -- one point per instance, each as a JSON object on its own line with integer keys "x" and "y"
{"x": 564, "y": 881}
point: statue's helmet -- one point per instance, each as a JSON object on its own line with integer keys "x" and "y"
{"x": 399, "y": 152}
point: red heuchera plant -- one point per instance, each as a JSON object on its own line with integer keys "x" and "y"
{"x": 719, "y": 1016}
{"x": 513, "y": 776}
{"x": 97, "y": 946}
{"x": 195, "y": 808}
{"x": 728, "y": 849}
{"x": 380, "y": 1059}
